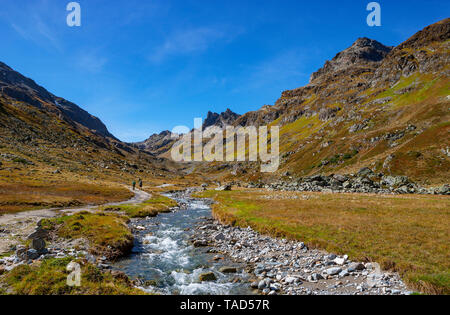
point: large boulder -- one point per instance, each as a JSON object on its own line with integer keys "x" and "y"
{"x": 395, "y": 181}
{"x": 444, "y": 190}
{"x": 340, "y": 178}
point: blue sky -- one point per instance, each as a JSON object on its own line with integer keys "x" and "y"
{"x": 143, "y": 66}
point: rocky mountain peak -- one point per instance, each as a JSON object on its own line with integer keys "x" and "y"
{"x": 363, "y": 51}
{"x": 220, "y": 120}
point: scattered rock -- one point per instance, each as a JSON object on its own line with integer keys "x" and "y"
{"x": 333, "y": 271}
{"x": 200, "y": 243}
{"x": 356, "y": 267}
{"x": 228, "y": 270}
{"x": 315, "y": 277}
{"x": 38, "y": 244}
{"x": 32, "y": 254}
{"x": 207, "y": 276}
{"x": 219, "y": 237}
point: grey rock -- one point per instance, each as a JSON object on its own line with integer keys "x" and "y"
{"x": 38, "y": 244}
{"x": 200, "y": 243}
{"x": 344, "y": 273}
{"x": 333, "y": 271}
{"x": 315, "y": 277}
{"x": 254, "y": 285}
{"x": 261, "y": 285}
{"x": 365, "y": 172}
{"x": 219, "y": 237}
{"x": 356, "y": 267}
{"x": 32, "y": 254}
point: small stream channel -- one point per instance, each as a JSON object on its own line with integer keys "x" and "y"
{"x": 165, "y": 261}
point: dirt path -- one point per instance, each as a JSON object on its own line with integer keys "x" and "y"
{"x": 15, "y": 227}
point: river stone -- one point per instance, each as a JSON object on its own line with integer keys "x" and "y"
{"x": 331, "y": 257}
{"x": 219, "y": 237}
{"x": 228, "y": 270}
{"x": 290, "y": 280}
{"x": 339, "y": 261}
{"x": 38, "y": 244}
{"x": 200, "y": 243}
{"x": 356, "y": 267}
{"x": 207, "y": 276}
{"x": 333, "y": 271}
{"x": 315, "y": 277}
{"x": 343, "y": 273}
{"x": 32, "y": 254}
{"x": 261, "y": 284}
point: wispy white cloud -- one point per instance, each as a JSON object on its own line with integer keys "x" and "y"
{"x": 91, "y": 62}
{"x": 188, "y": 41}
{"x": 34, "y": 21}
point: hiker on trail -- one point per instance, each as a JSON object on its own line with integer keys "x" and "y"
{"x": 140, "y": 183}
{"x": 134, "y": 185}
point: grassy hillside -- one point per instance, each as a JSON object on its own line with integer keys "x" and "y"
{"x": 408, "y": 234}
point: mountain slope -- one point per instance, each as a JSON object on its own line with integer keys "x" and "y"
{"x": 44, "y": 138}
{"x": 370, "y": 106}
{"x": 20, "y": 88}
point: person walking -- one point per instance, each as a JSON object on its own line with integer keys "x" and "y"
{"x": 134, "y": 185}
{"x": 140, "y": 183}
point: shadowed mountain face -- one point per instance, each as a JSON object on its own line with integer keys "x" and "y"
{"x": 39, "y": 128}
{"x": 23, "y": 89}
{"x": 158, "y": 143}
{"x": 221, "y": 120}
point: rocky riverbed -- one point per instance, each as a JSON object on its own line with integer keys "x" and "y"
{"x": 221, "y": 259}
{"x": 365, "y": 181}
{"x": 281, "y": 266}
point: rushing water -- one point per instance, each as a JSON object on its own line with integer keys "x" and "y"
{"x": 166, "y": 262}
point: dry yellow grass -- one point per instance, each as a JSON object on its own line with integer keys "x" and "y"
{"x": 409, "y": 234}
{"x": 29, "y": 195}
{"x": 108, "y": 235}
